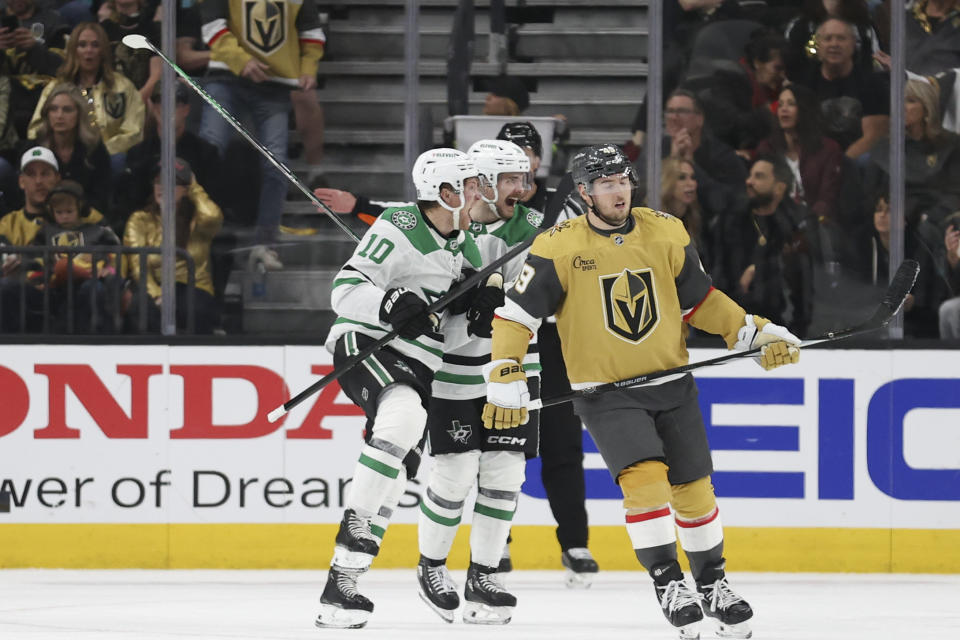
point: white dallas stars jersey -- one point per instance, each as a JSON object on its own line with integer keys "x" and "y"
{"x": 461, "y": 376}
{"x": 400, "y": 249}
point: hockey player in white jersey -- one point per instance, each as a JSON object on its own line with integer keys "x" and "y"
{"x": 464, "y": 454}
{"x": 408, "y": 258}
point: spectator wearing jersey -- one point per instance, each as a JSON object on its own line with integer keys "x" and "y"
{"x": 134, "y": 17}
{"x": 933, "y": 36}
{"x": 39, "y": 174}
{"x": 932, "y": 158}
{"x": 198, "y": 219}
{"x": 67, "y": 224}
{"x": 252, "y": 72}
{"x": 113, "y": 104}
{"x": 81, "y": 154}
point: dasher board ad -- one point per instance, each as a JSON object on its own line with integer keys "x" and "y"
{"x": 159, "y": 434}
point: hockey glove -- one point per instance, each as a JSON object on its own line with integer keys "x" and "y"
{"x": 777, "y": 345}
{"x": 407, "y": 313}
{"x": 482, "y": 308}
{"x": 507, "y": 395}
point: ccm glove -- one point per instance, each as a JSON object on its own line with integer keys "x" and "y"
{"x": 507, "y": 395}
{"x": 777, "y": 345}
{"x": 482, "y": 308}
{"x": 407, "y": 313}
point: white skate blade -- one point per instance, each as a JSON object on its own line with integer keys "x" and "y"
{"x": 739, "y": 631}
{"x": 447, "y": 614}
{"x": 478, "y": 613}
{"x": 690, "y": 631}
{"x": 337, "y": 618}
{"x": 575, "y": 580}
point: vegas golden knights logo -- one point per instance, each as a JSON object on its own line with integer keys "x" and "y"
{"x": 115, "y": 104}
{"x": 265, "y": 23}
{"x": 630, "y": 304}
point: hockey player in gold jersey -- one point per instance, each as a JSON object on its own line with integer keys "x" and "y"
{"x": 622, "y": 281}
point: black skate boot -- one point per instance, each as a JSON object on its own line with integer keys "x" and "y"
{"x": 341, "y": 605}
{"x": 437, "y": 588}
{"x": 680, "y": 603}
{"x": 354, "y": 534}
{"x": 487, "y": 602}
{"x": 581, "y": 567}
{"x": 720, "y": 602}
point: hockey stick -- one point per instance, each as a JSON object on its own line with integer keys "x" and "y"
{"x": 893, "y": 299}
{"x": 438, "y": 305}
{"x": 136, "y": 41}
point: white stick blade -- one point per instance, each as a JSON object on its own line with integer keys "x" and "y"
{"x": 276, "y": 414}
{"x": 136, "y": 41}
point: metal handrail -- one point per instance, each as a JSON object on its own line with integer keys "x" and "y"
{"x": 95, "y": 251}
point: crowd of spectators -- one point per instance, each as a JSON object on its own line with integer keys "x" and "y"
{"x": 775, "y": 157}
{"x": 80, "y": 128}
{"x": 785, "y": 146}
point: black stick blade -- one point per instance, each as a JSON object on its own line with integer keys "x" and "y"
{"x": 896, "y": 294}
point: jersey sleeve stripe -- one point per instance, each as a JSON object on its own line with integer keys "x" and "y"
{"x": 687, "y": 314}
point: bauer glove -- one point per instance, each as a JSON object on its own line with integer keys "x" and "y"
{"x": 507, "y": 395}
{"x": 407, "y": 313}
{"x": 777, "y": 345}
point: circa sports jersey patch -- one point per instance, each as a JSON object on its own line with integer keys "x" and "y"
{"x": 630, "y": 304}
{"x": 534, "y": 218}
{"x": 460, "y": 432}
{"x": 404, "y": 219}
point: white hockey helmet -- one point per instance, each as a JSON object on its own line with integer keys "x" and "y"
{"x": 494, "y": 157}
{"x": 441, "y": 166}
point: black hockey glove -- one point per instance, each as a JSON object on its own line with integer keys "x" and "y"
{"x": 482, "y": 307}
{"x": 407, "y": 313}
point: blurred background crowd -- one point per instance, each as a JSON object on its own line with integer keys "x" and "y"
{"x": 775, "y": 142}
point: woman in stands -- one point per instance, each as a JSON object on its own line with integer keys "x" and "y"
{"x": 198, "y": 220}
{"x": 678, "y": 197}
{"x": 76, "y": 143}
{"x": 816, "y": 161}
{"x": 113, "y": 104}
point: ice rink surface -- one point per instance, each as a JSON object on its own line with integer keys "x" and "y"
{"x": 135, "y": 604}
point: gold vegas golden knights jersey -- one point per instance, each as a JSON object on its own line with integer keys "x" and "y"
{"x": 620, "y": 297}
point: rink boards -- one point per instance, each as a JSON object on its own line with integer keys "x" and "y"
{"x": 158, "y": 456}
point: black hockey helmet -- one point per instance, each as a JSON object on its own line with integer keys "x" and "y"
{"x": 522, "y": 134}
{"x": 601, "y": 160}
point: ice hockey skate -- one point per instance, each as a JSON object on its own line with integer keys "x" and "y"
{"x": 341, "y": 605}
{"x": 729, "y": 611}
{"x": 487, "y": 601}
{"x": 354, "y": 535}
{"x": 680, "y": 603}
{"x": 437, "y": 588}
{"x": 581, "y": 567}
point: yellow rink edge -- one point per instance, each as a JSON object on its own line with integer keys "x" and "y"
{"x": 310, "y": 546}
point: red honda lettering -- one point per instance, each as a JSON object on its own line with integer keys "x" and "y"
{"x": 16, "y": 401}
{"x": 324, "y": 406}
{"x": 198, "y": 400}
{"x": 96, "y": 399}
